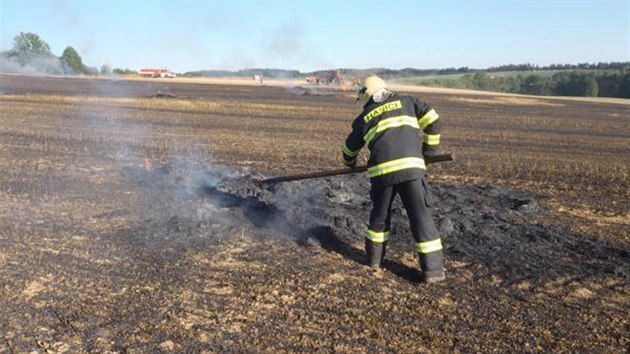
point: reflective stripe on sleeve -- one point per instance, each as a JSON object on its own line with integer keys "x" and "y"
{"x": 349, "y": 152}
{"x": 378, "y": 237}
{"x": 392, "y": 122}
{"x": 431, "y": 139}
{"x": 428, "y": 247}
{"x": 396, "y": 165}
{"x": 429, "y": 117}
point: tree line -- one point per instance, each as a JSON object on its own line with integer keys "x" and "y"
{"x": 408, "y": 72}
{"x": 591, "y": 83}
{"x": 558, "y": 67}
{"x": 31, "y": 54}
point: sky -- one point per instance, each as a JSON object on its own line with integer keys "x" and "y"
{"x": 312, "y": 35}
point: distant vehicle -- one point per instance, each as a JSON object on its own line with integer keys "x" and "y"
{"x": 331, "y": 77}
{"x": 162, "y": 72}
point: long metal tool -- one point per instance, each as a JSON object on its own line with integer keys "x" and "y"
{"x": 345, "y": 171}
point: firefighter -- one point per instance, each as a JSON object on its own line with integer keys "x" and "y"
{"x": 390, "y": 125}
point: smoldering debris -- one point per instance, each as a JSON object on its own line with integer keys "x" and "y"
{"x": 172, "y": 204}
{"x": 492, "y": 226}
{"x": 246, "y": 186}
{"x": 161, "y": 94}
{"x": 309, "y": 91}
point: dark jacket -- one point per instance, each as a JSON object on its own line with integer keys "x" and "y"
{"x": 391, "y": 130}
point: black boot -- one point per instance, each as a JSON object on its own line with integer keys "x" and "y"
{"x": 375, "y": 253}
{"x": 432, "y": 265}
{"x": 384, "y": 251}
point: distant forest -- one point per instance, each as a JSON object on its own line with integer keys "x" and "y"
{"x": 594, "y": 80}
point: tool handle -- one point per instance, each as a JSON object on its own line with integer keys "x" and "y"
{"x": 345, "y": 171}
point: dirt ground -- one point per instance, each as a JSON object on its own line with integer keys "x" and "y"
{"x": 130, "y": 223}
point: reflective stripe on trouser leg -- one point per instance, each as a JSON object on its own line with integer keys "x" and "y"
{"x": 377, "y": 237}
{"x": 375, "y": 244}
{"x": 428, "y": 246}
{"x": 415, "y": 198}
{"x": 431, "y": 258}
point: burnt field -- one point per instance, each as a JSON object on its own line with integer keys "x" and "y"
{"x": 130, "y": 223}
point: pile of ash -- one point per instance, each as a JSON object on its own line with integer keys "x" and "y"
{"x": 161, "y": 94}
{"x": 489, "y": 225}
{"x": 309, "y": 91}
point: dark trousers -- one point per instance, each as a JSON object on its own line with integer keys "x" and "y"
{"x": 416, "y": 199}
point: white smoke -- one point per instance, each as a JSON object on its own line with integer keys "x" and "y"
{"x": 35, "y": 66}
{"x": 285, "y": 41}
{"x": 289, "y": 42}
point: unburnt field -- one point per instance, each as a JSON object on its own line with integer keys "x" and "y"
{"x": 129, "y": 222}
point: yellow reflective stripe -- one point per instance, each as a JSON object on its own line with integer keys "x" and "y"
{"x": 428, "y": 247}
{"x": 349, "y": 152}
{"x": 392, "y": 122}
{"x": 396, "y": 165}
{"x": 431, "y": 139}
{"x": 378, "y": 237}
{"x": 429, "y": 117}
{"x": 390, "y": 106}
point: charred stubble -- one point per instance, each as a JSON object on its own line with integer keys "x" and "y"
{"x": 100, "y": 250}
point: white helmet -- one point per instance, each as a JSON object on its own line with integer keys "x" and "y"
{"x": 371, "y": 85}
